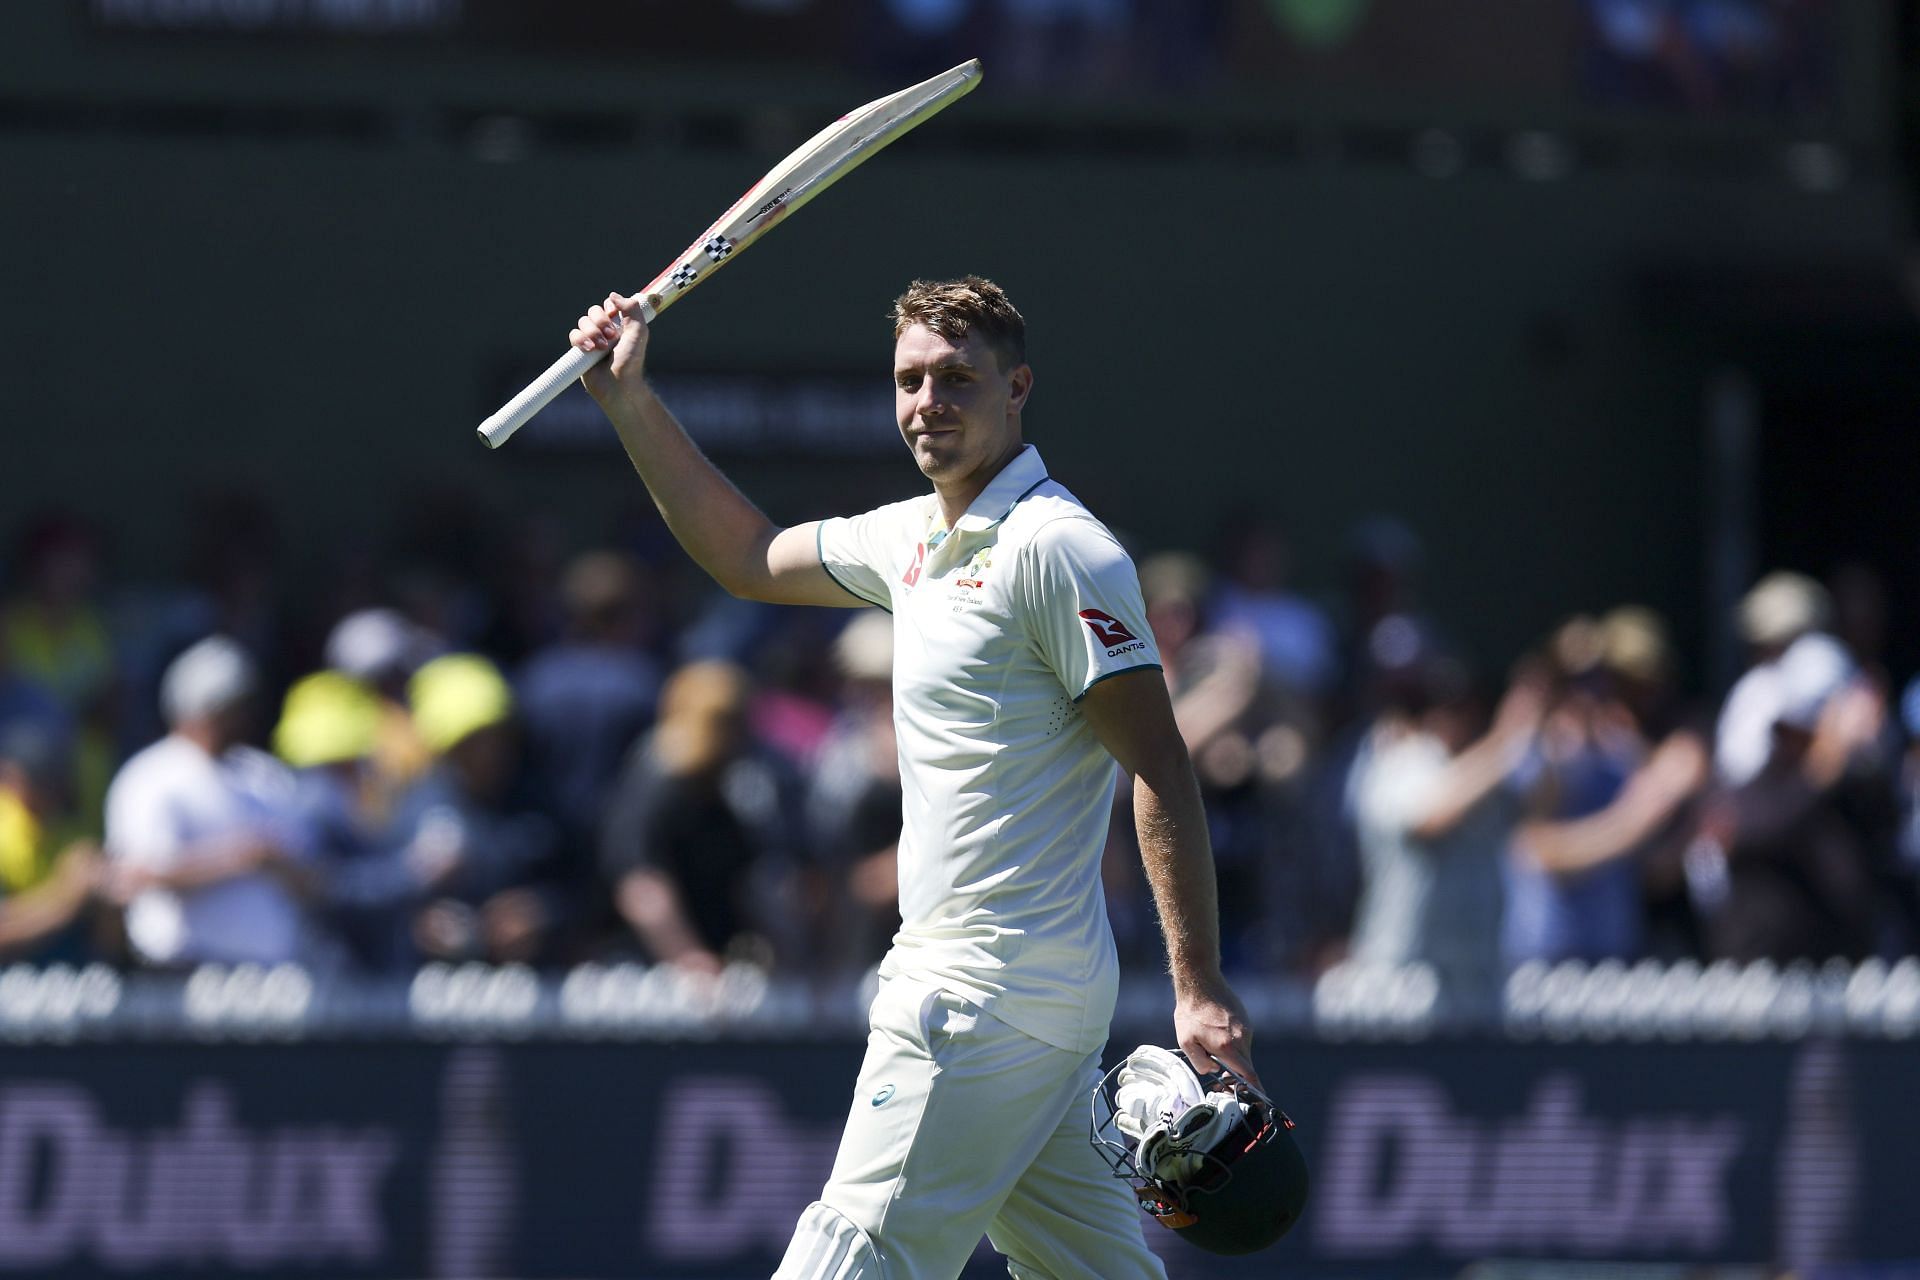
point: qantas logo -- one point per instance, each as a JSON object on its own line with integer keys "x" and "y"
{"x": 1107, "y": 629}
{"x": 912, "y": 576}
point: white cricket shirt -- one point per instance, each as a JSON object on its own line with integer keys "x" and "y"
{"x": 1000, "y": 625}
{"x": 173, "y": 797}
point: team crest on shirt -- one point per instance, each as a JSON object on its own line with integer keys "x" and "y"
{"x": 1111, "y": 632}
{"x": 970, "y": 580}
{"x": 973, "y": 576}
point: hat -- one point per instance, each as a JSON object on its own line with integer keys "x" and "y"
{"x": 373, "y": 643}
{"x": 864, "y": 648}
{"x": 1174, "y": 575}
{"x": 1578, "y": 645}
{"x": 1634, "y": 643}
{"x": 1781, "y": 607}
{"x": 456, "y": 696}
{"x": 328, "y": 718}
{"x": 206, "y": 679}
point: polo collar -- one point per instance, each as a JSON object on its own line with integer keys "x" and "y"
{"x": 1021, "y": 476}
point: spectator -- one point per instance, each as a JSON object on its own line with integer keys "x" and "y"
{"x": 1296, "y": 641}
{"x": 47, "y": 876}
{"x": 696, "y": 844}
{"x": 381, "y": 649}
{"x": 586, "y": 699}
{"x": 328, "y": 731}
{"x": 1803, "y": 844}
{"x": 1602, "y": 791}
{"x": 795, "y": 681}
{"x": 56, "y": 637}
{"x": 1849, "y": 812}
{"x": 1215, "y": 679}
{"x": 486, "y": 856}
{"x": 1385, "y": 641}
{"x": 1435, "y": 806}
{"x": 1775, "y": 871}
{"x": 1785, "y": 613}
{"x": 1867, "y": 795}
{"x": 202, "y": 834}
{"x": 853, "y": 805}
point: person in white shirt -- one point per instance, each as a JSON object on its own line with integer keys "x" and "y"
{"x": 1023, "y": 668}
{"x": 204, "y": 846}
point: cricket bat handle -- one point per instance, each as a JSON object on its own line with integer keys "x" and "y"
{"x": 539, "y": 393}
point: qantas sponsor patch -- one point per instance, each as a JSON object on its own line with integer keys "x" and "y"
{"x": 1111, "y": 632}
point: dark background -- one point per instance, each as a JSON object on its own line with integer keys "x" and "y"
{"x": 300, "y": 248}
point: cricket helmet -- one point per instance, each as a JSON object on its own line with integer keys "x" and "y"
{"x": 1209, "y": 1156}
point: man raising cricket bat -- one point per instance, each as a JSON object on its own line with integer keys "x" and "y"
{"x": 1023, "y": 667}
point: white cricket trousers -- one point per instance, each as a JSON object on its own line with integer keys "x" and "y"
{"x": 960, "y": 1127}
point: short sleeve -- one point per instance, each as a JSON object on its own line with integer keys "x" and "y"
{"x": 859, "y": 552}
{"x": 1083, "y": 605}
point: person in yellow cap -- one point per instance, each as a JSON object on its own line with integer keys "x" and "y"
{"x": 488, "y": 859}
{"x": 381, "y": 648}
{"x": 329, "y": 730}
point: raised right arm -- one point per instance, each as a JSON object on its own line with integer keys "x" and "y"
{"x": 725, "y": 534}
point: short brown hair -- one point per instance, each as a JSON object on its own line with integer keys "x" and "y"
{"x": 955, "y": 308}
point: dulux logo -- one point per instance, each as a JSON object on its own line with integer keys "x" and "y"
{"x": 1403, "y": 1170}
{"x": 743, "y": 1170}
{"x": 73, "y": 1187}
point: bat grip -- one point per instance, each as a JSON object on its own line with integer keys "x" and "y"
{"x": 539, "y": 393}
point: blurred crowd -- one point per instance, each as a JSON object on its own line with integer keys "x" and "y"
{"x": 445, "y": 754}
{"x": 1712, "y": 55}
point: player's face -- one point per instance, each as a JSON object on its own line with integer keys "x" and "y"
{"x": 957, "y": 409}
